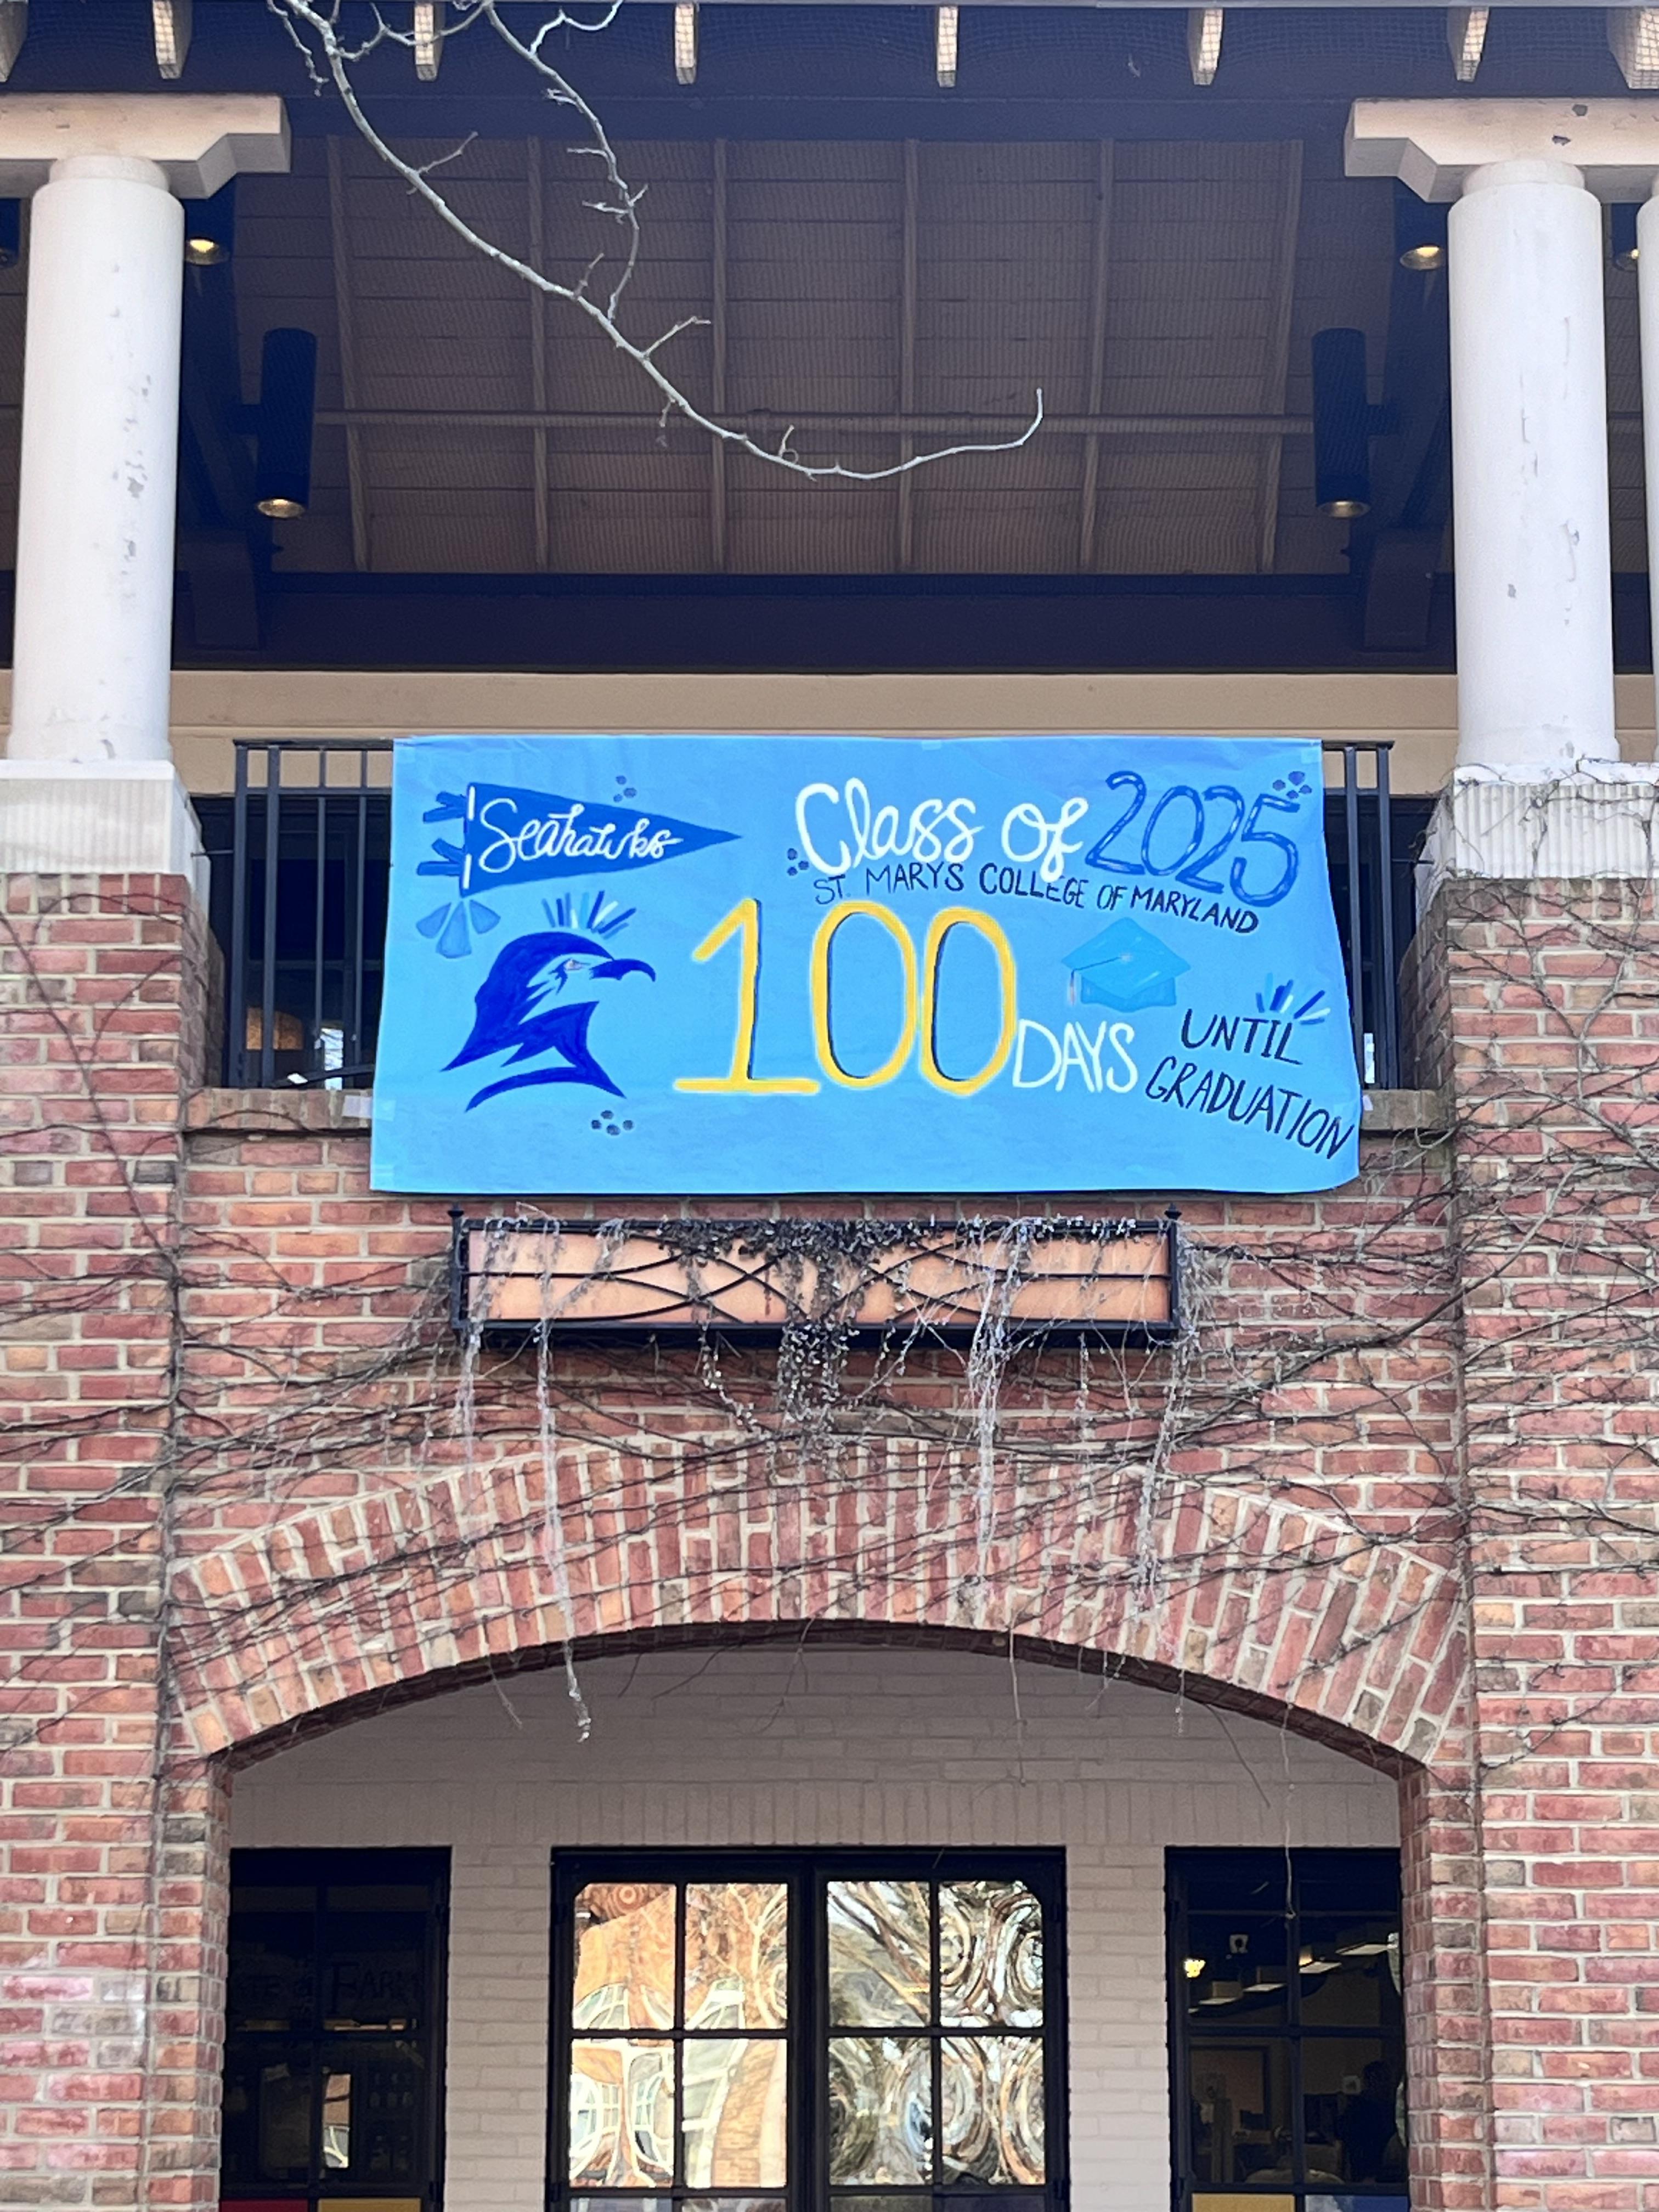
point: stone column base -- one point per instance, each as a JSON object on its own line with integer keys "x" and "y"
{"x": 1601, "y": 820}
{"x": 75, "y": 818}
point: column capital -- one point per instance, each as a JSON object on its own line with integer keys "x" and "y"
{"x": 1434, "y": 145}
{"x": 198, "y": 141}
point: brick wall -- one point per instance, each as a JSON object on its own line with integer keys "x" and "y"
{"x": 1555, "y": 1025}
{"x": 107, "y": 2069}
{"x": 245, "y": 1509}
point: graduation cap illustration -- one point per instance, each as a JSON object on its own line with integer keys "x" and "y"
{"x": 1125, "y": 967}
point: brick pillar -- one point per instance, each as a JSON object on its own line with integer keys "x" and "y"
{"x": 1552, "y": 1025}
{"x": 111, "y": 1867}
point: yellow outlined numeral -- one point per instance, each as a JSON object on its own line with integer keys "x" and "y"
{"x": 745, "y": 922}
{"x": 822, "y": 944}
{"x": 966, "y": 917}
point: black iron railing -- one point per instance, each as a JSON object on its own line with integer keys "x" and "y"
{"x": 301, "y": 854}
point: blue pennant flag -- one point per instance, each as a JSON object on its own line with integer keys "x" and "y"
{"x": 509, "y": 836}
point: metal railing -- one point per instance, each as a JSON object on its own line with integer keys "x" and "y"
{"x": 300, "y": 858}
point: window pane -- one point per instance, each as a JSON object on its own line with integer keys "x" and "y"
{"x": 1350, "y": 1972}
{"x": 1345, "y": 2203}
{"x": 374, "y": 1973}
{"x": 272, "y": 1978}
{"x": 990, "y": 1955}
{"x": 1228, "y": 2202}
{"x": 702, "y": 2204}
{"x": 1241, "y": 2118}
{"x": 1235, "y": 1969}
{"x": 737, "y": 1954}
{"x": 284, "y": 2123}
{"x": 624, "y": 1956}
{"x": 336, "y": 2121}
{"x": 991, "y": 2090}
{"x": 1353, "y": 2110}
{"x": 845, "y": 2200}
{"x": 380, "y": 2101}
{"x": 622, "y": 2115}
{"x": 879, "y": 1972}
{"x": 735, "y": 2099}
{"x": 266, "y": 2131}
{"x": 881, "y": 2108}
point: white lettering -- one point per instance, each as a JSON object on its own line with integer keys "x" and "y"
{"x": 1123, "y": 1035}
{"x": 566, "y": 836}
{"x": 880, "y": 833}
{"x": 1022, "y": 1081}
{"x": 1050, "y": 850}
{"x": 837, "y": 867}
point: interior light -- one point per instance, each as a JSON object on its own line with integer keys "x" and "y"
{"x": 1193, "y": 1968}
{"x": 1624, "y": 234}
{"x": 210, "y": 228}
{"x": 1420, "y": 231}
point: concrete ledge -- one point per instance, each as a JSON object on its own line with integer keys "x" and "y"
{"x": 1431, "y": 145}
{"x": 201, "y": 140}
{"x": 1405, "y": 1114}
{"x": 279, "y": 1113}
{"x": 287, "y": 1113}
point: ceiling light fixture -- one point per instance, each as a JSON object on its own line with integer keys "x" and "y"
{"x": 685, "y": 41}
{"x": 1204, "y": 28}
{"x": 210, "y": 228}
{"x": 429, "y": 38}
{"x": 1420, "y": 231}
{"x": 170, "y": 25}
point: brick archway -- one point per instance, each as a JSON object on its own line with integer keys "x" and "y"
{"x": 1248, "y": 1602}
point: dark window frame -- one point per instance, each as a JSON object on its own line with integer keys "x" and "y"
{"x": 808, "y": 1872}
{"x": 1185, "y": 2038}
{"x": 367, "y": 1868}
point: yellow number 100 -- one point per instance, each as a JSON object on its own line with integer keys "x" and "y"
{"x": 919, "y": 1018}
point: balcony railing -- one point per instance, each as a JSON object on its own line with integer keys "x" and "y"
{"x": 302, "y": 851}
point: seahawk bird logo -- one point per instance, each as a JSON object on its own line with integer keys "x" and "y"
{"x": 511, "y": 1013}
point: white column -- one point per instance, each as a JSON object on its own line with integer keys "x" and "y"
{"x": 89, "y": 785}
{"x": 91, "y": 651}
{"x": 1529, "y": 473}
{"x": 1647, "y": 292}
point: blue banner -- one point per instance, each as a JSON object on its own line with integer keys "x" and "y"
{"x": 663, "y": 965}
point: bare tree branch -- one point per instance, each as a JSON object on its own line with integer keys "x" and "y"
{"x": 330, "y": 60}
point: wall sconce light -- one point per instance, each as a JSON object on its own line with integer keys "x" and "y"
{"x": 1342, "y": 425}
{"x": 286, "y": 415}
